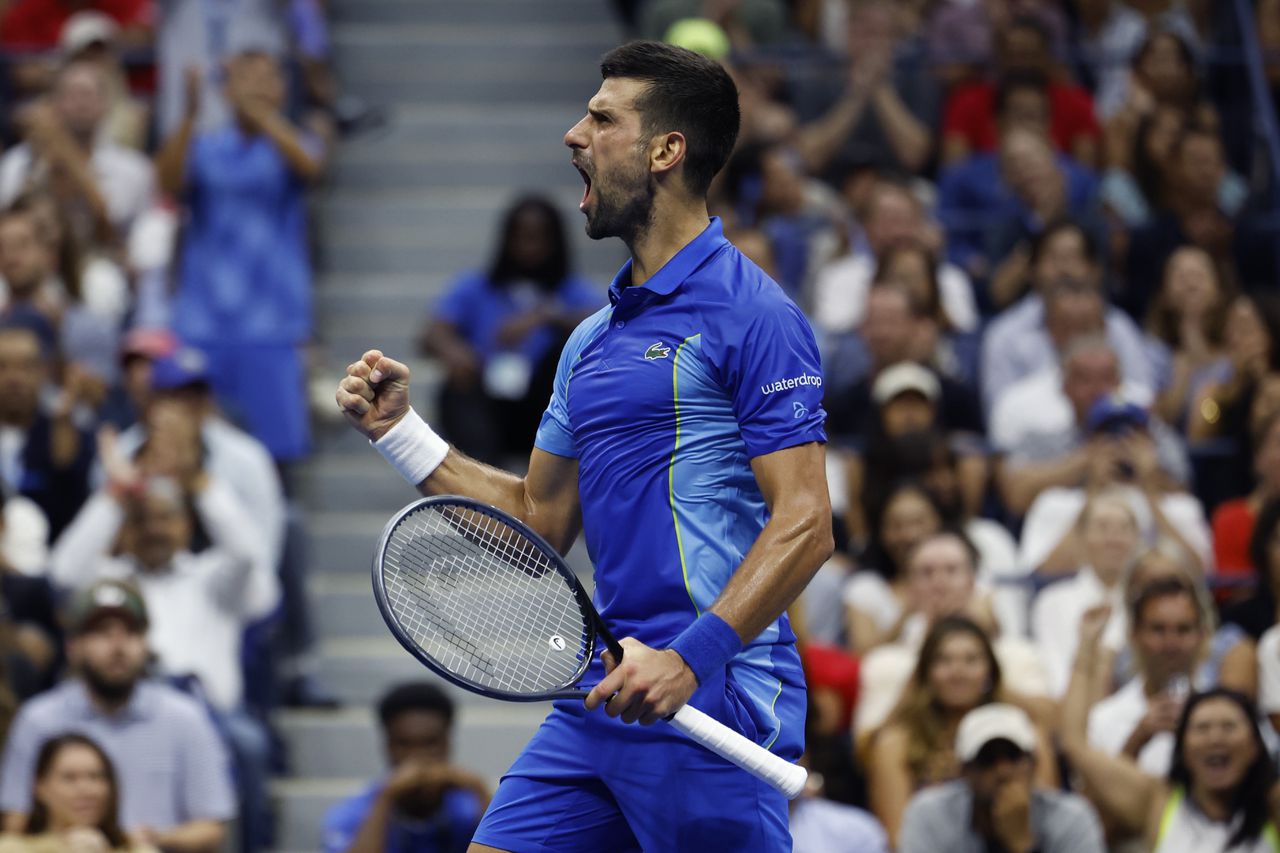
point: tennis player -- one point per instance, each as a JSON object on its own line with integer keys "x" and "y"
{"x": 685, "y": 437}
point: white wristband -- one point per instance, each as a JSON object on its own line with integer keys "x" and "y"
{"x": 412, "y": 448}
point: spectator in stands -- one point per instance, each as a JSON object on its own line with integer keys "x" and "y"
{"x": 969, "y": 118}
{"x": 883, "y": 110}
{"x": 140, "y": 527}
{"x": 896, "y": 328}
{"x": 1112, "y": 32}
{"x": 94, "y": 37}
{"x": 893, "y": 216}
{"x": 1120, "y": 447}
{"x": 998, "y": 803}
{"x": 943, "y": 581}
{"x": 1100, "y": 550}
{"x": 244, "y": 285}
{"x": 1252, "y": 338}
{"x": 876, "y": 596}
{"x": 129, "y": 397}
{"x": 1169, "y": 636}
{"x": 1185, "y": 324}
{"x": 44, "y": 456}
{"x": 1022, "y": 340}
{"x": 84, "y": 286}
{"x": 27, "y": 615}
{"x": 770, "y": 191}
{"x": 1201, "y": 208}
{"x": 1037, "y": 404}
{"x": 175, "y": 779}
{"x": 104, "y": 187}
{"x": 33, "y": 28}
{"x": 961, "y": 36}
{"x": 74, "y": 802}
{"x": 995, "y": 203}
{"x": 1258, "y": 611}
{"x": 26, "y": 264}
{"x": 904, "y": 399}
{"x": 426, "y": 803}
{"x": 1219, "y": 790}
{"x": 957, "y": 671}
{"x": 1135, "y": 184}
{"x": 498, "y": 332}
{"x": 1233, "y": 520}
{"x": 179, "y": 380}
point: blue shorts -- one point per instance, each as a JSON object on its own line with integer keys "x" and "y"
{"x": 590, "y": 783}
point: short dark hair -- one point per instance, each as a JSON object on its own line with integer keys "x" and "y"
{"x": 1169, "y": 586}
{"x": 1040, "y": 242}
{"x": 687, "y": 93}
{"x": 1016, "y": 81}
{"x": 415, "y": 696}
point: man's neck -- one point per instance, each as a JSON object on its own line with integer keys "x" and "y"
{"x": 673, "y": 226}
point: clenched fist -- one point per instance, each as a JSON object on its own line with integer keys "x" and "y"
{"x": 374, "y": 395}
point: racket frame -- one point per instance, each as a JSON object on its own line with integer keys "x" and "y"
{"x": 595, "y": 625}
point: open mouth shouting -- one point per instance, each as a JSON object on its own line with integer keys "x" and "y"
{"x": 586, "y": 179}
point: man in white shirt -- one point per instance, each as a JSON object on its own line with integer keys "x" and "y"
{"x": 1168, "y": 637}
{"x": 1106, "y": 538}
{"x": 199, "y": 602}
{"x": 1019, "y": 342}
{"x": 107, "y": 185}
{"x": 893, "y": 216}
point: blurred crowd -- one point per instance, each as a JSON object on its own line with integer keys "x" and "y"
{"x": 1039, "y": 242}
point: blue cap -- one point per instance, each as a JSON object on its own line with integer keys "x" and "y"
{"x": 1113, "y": 414}
{"x": 184, "y": 367}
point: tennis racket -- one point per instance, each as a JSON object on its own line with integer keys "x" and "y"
{"x": 487, "y": 604}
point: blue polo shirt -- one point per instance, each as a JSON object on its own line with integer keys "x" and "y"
{"x": 664, "y": 397}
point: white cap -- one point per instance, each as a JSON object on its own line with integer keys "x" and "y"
{"x": 996, "y": 721}
{"x": 84, "y": 28}
{"x": 903, "y": 377}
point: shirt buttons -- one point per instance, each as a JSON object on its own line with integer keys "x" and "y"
{"x": 620, "y": 325}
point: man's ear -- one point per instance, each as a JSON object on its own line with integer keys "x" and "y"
{"x": 667, "y": 151}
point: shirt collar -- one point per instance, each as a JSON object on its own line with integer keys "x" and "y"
{"x": 676, "y": 270}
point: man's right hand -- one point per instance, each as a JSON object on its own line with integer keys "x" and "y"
{"x": 374, "y": 395}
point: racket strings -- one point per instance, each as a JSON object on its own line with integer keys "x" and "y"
{"x": 484, "y": 601}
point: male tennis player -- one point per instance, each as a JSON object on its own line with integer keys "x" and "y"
{"x": 685, "y": 436}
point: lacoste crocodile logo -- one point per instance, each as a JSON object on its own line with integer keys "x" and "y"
{"x": 658, "y": 350}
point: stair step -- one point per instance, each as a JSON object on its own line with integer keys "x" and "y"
{"x": 347, "y": 743}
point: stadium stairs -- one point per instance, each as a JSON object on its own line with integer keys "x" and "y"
{"x": 480, "y": 93}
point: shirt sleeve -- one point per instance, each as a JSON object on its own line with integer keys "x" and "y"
{"x": 1072, "y": 827}
{"x": 206, "y": 792}
{"x": 1268, "y": 672}
{"x": 555, "y": 433}
{"x": 922, "y": 831}
{"x": 18, "y": 764}
{"x": 771, "y": 369}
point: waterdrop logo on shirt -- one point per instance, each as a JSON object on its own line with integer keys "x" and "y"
{"x": 791, "y": 382}
{"x": 800, "y": 410}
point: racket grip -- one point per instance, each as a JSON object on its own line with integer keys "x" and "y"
{"x": 750, "y": 756}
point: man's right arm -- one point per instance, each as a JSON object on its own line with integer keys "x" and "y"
{"x": 374, "y": 396}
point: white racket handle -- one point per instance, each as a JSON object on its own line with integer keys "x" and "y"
{"x": 750, "y": 756}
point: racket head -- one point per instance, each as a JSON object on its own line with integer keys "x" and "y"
{"x": 483, "y": 600}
